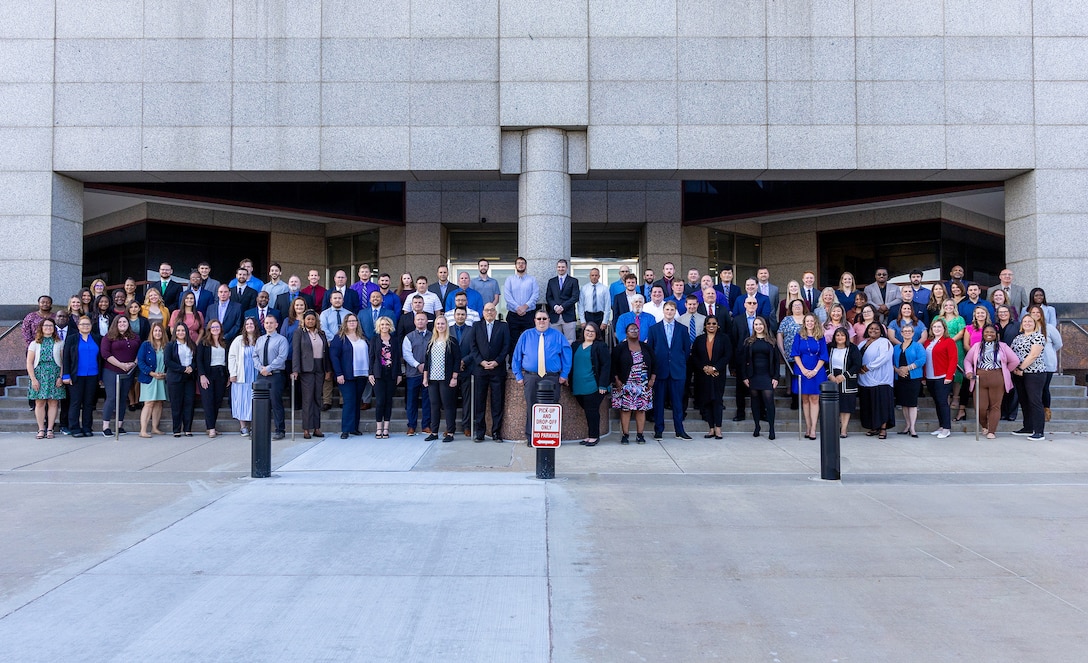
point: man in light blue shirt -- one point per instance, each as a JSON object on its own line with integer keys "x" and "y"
{"x": 521, "y": 295}
{"x": 525, "y": 361}
{"x": 269, "y": 358}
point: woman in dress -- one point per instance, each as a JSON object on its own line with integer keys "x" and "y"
{"x": 350, "y": 356}
{"x": 793, "y": 291}
{"x": 823, "y": 307}
{"x": 211, "y": 363}
{"x": 440, "y": 366}
{"x": 909, "y": 360}
{"x": 843, "y": 367}
{"x": 906, "y": 317}
{"x": 189, "y": 316}
{"x": 759, "y": 372}
{"x": 385, "y": 373}
{"x": 847, "y": 288}
{"x": 1050, "y": 352}
{"x": 119, "y": 349}
{"x": 992, "y": 362}
{"x": 242, "y": 373}
{"x": 875, "y": 382}
{"x": 809, "y": 356}
{"x": 82, "y": 358}
{"x": 955, "y": 327}
{"x": 153, "y": 308}
{"x": 940, "y": 372}
{"x": 151, "y": 361}
{"x": 1037, "y": 297}
{"x": 101, "y": 317}
{"x": 44, "y": 358}
{"x": 1030, "y": 376}
{"x": 632, "y": 383}
{"x": 710, "y": 354}
{"x": 180, "y": 360}
{"x": 787, "y": 332}
{"x": 591, "y": 368}
{"x": 836, "y": 319}
{"x": 312, "y": 366}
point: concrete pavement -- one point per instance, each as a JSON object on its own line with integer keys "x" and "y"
{"x": 402, "y": 550}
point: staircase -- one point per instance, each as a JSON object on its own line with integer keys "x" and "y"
{"x": 1069, "y": 414}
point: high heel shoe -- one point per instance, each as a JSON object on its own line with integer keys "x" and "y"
{"x": 770, "y": 435}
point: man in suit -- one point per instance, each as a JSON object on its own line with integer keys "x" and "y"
{"x": 459, "y": 332}
{"x": 647, "y": 285}
{"x": 668, "y": 275}
{"x": 242, "y": 294}
{"x": 621, "y": 302}
{"x": 693, "y": 322}
{"x": 407, "y": 321}
{"x": 766, "y": 288}
{"x": 203, "y": 298}
{"x": 206, "y": 280}
{"x": 167, "y": 287}
{"x": 368, "y": 317}
{"x": 443, "y": 286}
{"x": 730, "y": 291}
{"x": 561, "y": 298}
{"x": 671, "y": 347}
{"x": 262, "y": 310}
{"x": 763, "y": 304}
{"x": 881, "y": 294}
{"x": 314, "y": 288}
{"x": 1016, "y": 294}
{"x": 227, "y": 312}
{"x": 711, "y": 309}
{"x": 489, "y": 348}
{"x": 340, "y": 284}
{"x": 809, "y": 292}
{"x": 294, "y": 290}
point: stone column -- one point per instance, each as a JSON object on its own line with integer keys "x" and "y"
{"x": 1045, "y": 222}
{"x": 543, "y": 203}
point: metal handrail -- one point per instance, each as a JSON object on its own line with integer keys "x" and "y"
{"x": 17, "y": 325}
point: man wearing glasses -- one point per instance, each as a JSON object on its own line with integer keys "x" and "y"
{"x": 881, "y": 295}
{"x": 541, "y": 352}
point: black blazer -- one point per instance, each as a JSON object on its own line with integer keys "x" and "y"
{"x": 175, "y": 372}
{"x": 708, "y": 388}
{"x": 284, "y": 300}
{"x": 566, "y": 297}
{"x": 497, "y": 349}
{"x": 601, "y": 360}
{"x": 351, "y": 300}
{"x": 203, "y": 359}
{"x": 747, "y": 370}
{"x": 620, "y": 305}
{"x": 246, "y": 301}
{"x": 145, "y": 328}
{"x": 407, "y": 324}
{"x": 70, "y": 357}
{"x": 170, "y": 296}
{"x": 376, "y": 357}
{"x": 231, "y": 322}
{"x": 302, "y": 353}
{"x": 453, "y": 359}
{"x": 721, "y": 314}
{"x": 622, "y": 363}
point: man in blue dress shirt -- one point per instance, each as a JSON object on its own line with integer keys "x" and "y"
{"x": 540, "y": 343}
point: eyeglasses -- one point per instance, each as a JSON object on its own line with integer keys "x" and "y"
{"x": 541, "y": 319}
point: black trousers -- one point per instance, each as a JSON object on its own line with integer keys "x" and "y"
{"x": 742, "y": 392}
{"x": 1031, "y": 398}
{"x": 495, "y": 383}
{"x": 212, "y": 397}
{"x": 464, "y": 387}
{"x": 182, "y": 397}
{"x": 278, "y": 381}
{"x": 591, "y": 405}
{"x": 83, "y": 393}
{"x": 443, "y": 399}
{"x": 383, "y": 398}
{"x": 518, "y": 324}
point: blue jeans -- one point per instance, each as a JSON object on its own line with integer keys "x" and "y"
{"x": 414, "y": 394}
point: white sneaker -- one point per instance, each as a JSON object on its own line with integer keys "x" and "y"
{"x": 937, "y": 432}
{"x": 943, "y": 434}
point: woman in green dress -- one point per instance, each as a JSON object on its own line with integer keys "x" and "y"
{"x": 43, "y": 362}
{"x": 152, "y": 379}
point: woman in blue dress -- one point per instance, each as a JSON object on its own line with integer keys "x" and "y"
{"x": 242, "y": 374}
{"x": 809, "y": 354}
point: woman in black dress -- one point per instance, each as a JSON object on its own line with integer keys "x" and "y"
{"x": 759, "y": 369}
{"x": 710, "y": 354}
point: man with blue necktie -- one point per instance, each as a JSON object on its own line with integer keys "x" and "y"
{"x": 671, "y": 346}
{"x": 593, "y": 304}
{"x": 542, "y": 352}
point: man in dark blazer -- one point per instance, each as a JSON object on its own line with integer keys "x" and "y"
{"x": 340, "y": 284}
{"x": 167, "y": 287}
{"x": 204, "y": 298}
{"x": 369, "y": 315}
{"x": 294, "y": 291}
{"x": 621, "y": 303}
{"x": 763, "y": 303}
{"x": 710, "y": 308}
{"x": 243, "y": 294}
{"x": 262, "y": 310}
{"x": 227, "y": 312}
{"x": 727, "y": 290}
{"x": 489, "y": 348}
{"x": 561, "y": 298}
{"x": 671, "y": 347}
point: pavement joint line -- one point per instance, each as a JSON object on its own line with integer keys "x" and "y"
{"x": 180, "y": 453}
{"x": 661, "y": 443}
{"x": 548, "y": 572}
{"x": 970, "y": 550}
{"x": 63, "y": 453}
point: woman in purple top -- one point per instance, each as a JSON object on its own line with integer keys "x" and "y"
{"x": 119, "y": 348}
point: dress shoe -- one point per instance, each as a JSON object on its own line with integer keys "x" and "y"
{"x": 448, "y": 437}
{"x": 468, "y": 432}
{"x": 364, "y": 407}
{"x": 770, "y": 436}
{"x": 738, "y": 418}
{"x": 427, "y": 430}
{"x": 318, "y": 433}
{"x": 343, "y": 436}
{"x": 306, "y": 435}
{"x": 683, "y": 436}
{"x": 278, "y": 435}
{"x": 431, "y": 438}
{"x": 77, "y": 434}
{"x": 755, "y": 433}
{"x": 326, "y": 407}
{"x": 478, "y": 438}
{"x": 497, "y": 438}
{"x": 709, "y": 436}
{"x": 593, "y": 443}
{"x": 657, "y": 436}
{"x": 356, "y": 432}
{"x": 411, "y": 432}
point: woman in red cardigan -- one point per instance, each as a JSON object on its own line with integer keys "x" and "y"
{"x": 942, "y": 354}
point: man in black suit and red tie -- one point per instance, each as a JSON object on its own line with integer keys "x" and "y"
{"x": 561, "y": 298}
{"x": 489, "y": 348}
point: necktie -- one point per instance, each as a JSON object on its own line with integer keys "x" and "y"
{"x": 338, "y": 319}
{"x": 596, "y": 299}
{"x": 164, "y": 287}
{"x": 691, "y": 329}
{"x": 260, "y": 315}
{"x": 375, "y": 312}
{"x": 668, "y": 334}
{"x": 750, "y": 319}
{"x": 267, "y": 341}
{"x": 638, "y": 323}
{"x": 457, "y": 331}
{"x": 489, "y": 332}
{"x": 241, "y": 288}
{"x": 540, "y": 360}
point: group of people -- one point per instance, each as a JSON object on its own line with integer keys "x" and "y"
{"x": 643, "y": 347}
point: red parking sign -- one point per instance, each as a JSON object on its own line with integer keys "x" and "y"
{"x": 547, "y": 425}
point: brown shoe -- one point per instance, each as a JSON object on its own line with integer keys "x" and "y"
{"x": 468, "y": 432}
{"x": 411, "y": 431}
{"x": 364, "y": 406}
{"x": 1046, "y": 413}
{"x": 305, "y": 434}
{"x": 427, "y": 430}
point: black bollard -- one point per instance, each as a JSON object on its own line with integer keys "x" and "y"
{"x": 829, "y": 431}
{"x": 545, "y": 458}
{"x": 261, "y": 430}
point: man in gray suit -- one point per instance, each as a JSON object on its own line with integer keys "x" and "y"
{"x": 882, "y": 295}
{"x": 1016, "y": 294}
{"x": 765, "y": 287}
